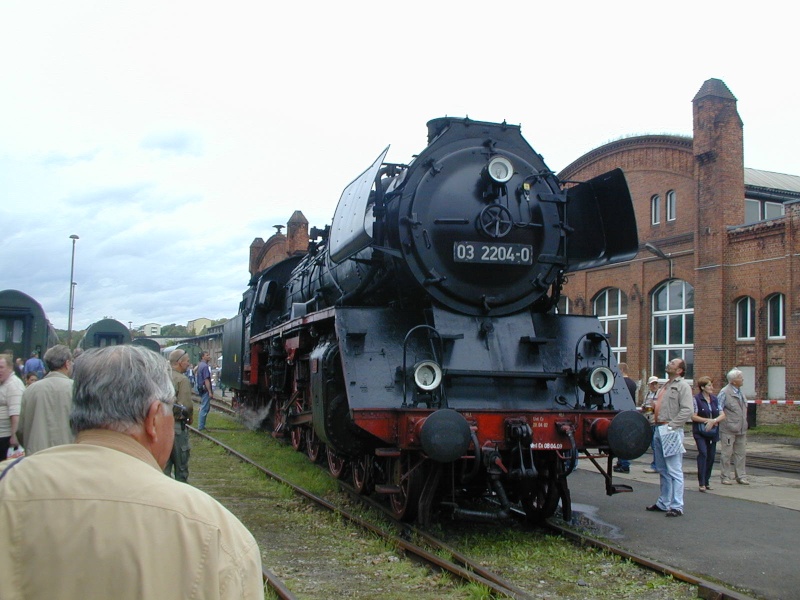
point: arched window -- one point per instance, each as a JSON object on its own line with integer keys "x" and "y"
{"x": 671, "y": 205}
{"x": 611, "y": 307}
{"x": 562, "y": 308}
{"x": 775, "y": 310}
{"x": 655, "y": 209}
{"x": 746, "y": 319}
{"x": 673, "y": 326}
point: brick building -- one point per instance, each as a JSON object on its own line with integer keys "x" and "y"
{"x": 280, "y": 246}
{"x": 717, "y": 277}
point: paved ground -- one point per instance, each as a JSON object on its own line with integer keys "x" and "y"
{"x": 745, "y": 536}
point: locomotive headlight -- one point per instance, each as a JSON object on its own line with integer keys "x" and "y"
{"x": 427, "y": 375}
{"x": 500, "y": 169}
{"x": 599, "y": 380}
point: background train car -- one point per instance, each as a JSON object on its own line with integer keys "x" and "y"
{"x": 148, "y": 343}
{"x": 193, "y": 350}
{"x": 106, "y": 332}
{"x": 416, "y": 345}
{"x": 24, "y": 328}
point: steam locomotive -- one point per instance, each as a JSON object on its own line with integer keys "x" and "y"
{"x": 417, "y": 346}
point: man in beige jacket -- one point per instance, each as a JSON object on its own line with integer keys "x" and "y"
{"x": 99, "y": 519}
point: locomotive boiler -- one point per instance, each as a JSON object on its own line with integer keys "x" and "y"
{"x": 417, "y": 346}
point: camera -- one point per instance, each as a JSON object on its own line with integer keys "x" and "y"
{"x": 180, "y": 412}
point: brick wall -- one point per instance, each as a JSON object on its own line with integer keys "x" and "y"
{"x": 708, "y": 246}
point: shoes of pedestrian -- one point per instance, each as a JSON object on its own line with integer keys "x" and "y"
{"x": 619, "y": 469}
{"x": 727, "y": 482}
{"x": 649, "y": 470}
{"x": 674, "y": 512}
{"x": 654, "y": 508}
{"x": 702, "y": 488}
{"x": 743, "y": 481}
{"x": 708, "y": 487}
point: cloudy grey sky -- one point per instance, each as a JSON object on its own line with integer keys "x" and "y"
{"x": 169, "y": 134}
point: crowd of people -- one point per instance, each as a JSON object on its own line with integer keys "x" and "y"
{"x": 714, "y": 419}
{"x": 99, "y": 432}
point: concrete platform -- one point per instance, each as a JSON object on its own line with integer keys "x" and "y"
{"x": 743, "y": 536}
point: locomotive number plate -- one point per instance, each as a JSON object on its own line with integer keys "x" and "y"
{"x": 506, "y": 254}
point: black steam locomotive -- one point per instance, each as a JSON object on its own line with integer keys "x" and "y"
{"x": 417, "y": 346}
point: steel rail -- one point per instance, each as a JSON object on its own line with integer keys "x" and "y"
{"x": 435, "y": 543}
{"x": 708, "y": 590}
{"x": 409, "y": 547}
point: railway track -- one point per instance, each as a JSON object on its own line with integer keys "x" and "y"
{"x": 429, "y": 549}
{"x": 461, "y": 567}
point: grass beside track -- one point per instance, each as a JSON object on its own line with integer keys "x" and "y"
{"x": 546, "y": 565}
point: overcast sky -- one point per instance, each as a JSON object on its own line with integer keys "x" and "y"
{"x": 168, "y": 135}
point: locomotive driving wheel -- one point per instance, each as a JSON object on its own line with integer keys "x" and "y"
{"x": 541, "y": 501}
{"x": 409, "y": 480}
{"x": 362, "y": 470}
{"x": 296, "y": 436}
{"x": 336, "y": 464}
{"x": 314, "y": 446}
{"x": 296, "y": 432}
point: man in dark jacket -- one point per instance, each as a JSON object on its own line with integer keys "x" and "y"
{"x": 624, "y": 466}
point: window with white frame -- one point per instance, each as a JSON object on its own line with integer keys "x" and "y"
{"x": 671, "y": 205}
{"x": 746, "y": 319}
{"x": 775, "y": 311}
{"x": 761, "y": 210}
{"x": 611, "y": 307}
{"x": 562, "y": 308}
{"x": 673, "y": 326}
{"x": 655, "y": 209}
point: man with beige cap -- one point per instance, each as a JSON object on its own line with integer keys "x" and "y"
{"x": 647, "y": 410}
{"x": 179, "y": 458}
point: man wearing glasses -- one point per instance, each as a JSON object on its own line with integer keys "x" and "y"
{"x": 98, "y": 518}
{"x": 179, "y": 459}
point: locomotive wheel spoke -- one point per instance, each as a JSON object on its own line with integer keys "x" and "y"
{"x": 541, "y": 500}
{"x": 362, "y": 474}
{"x": 337, "y": 465}
{"x": 297, "y": 432}
{"x": 297, "y": 436}
{"x": 314, "y": 447}
{"x": 404, "y": 503}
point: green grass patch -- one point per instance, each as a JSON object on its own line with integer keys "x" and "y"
{"x": 783, "y": 430}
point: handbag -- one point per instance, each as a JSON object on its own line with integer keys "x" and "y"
{"x": 671, "y": 442}
{"x": 703, "y": 432}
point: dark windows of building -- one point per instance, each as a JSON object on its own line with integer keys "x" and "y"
{"x": 746, "y": 319}
{"x": 671, "y": 205}
{"x": 760, "y": 210}
{"x": 655, "y": 209}
{"x": 562, "y": 308}
{"x": 775, "y": 313}
{"x": 611, "y": 307}
{"x": 673, "y": 326}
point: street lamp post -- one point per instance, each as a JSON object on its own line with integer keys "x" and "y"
{"x": 653, "y": 249}
{"x": 74, "y": 238}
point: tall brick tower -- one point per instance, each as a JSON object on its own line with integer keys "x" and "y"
{"x": 719, "y": 172}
